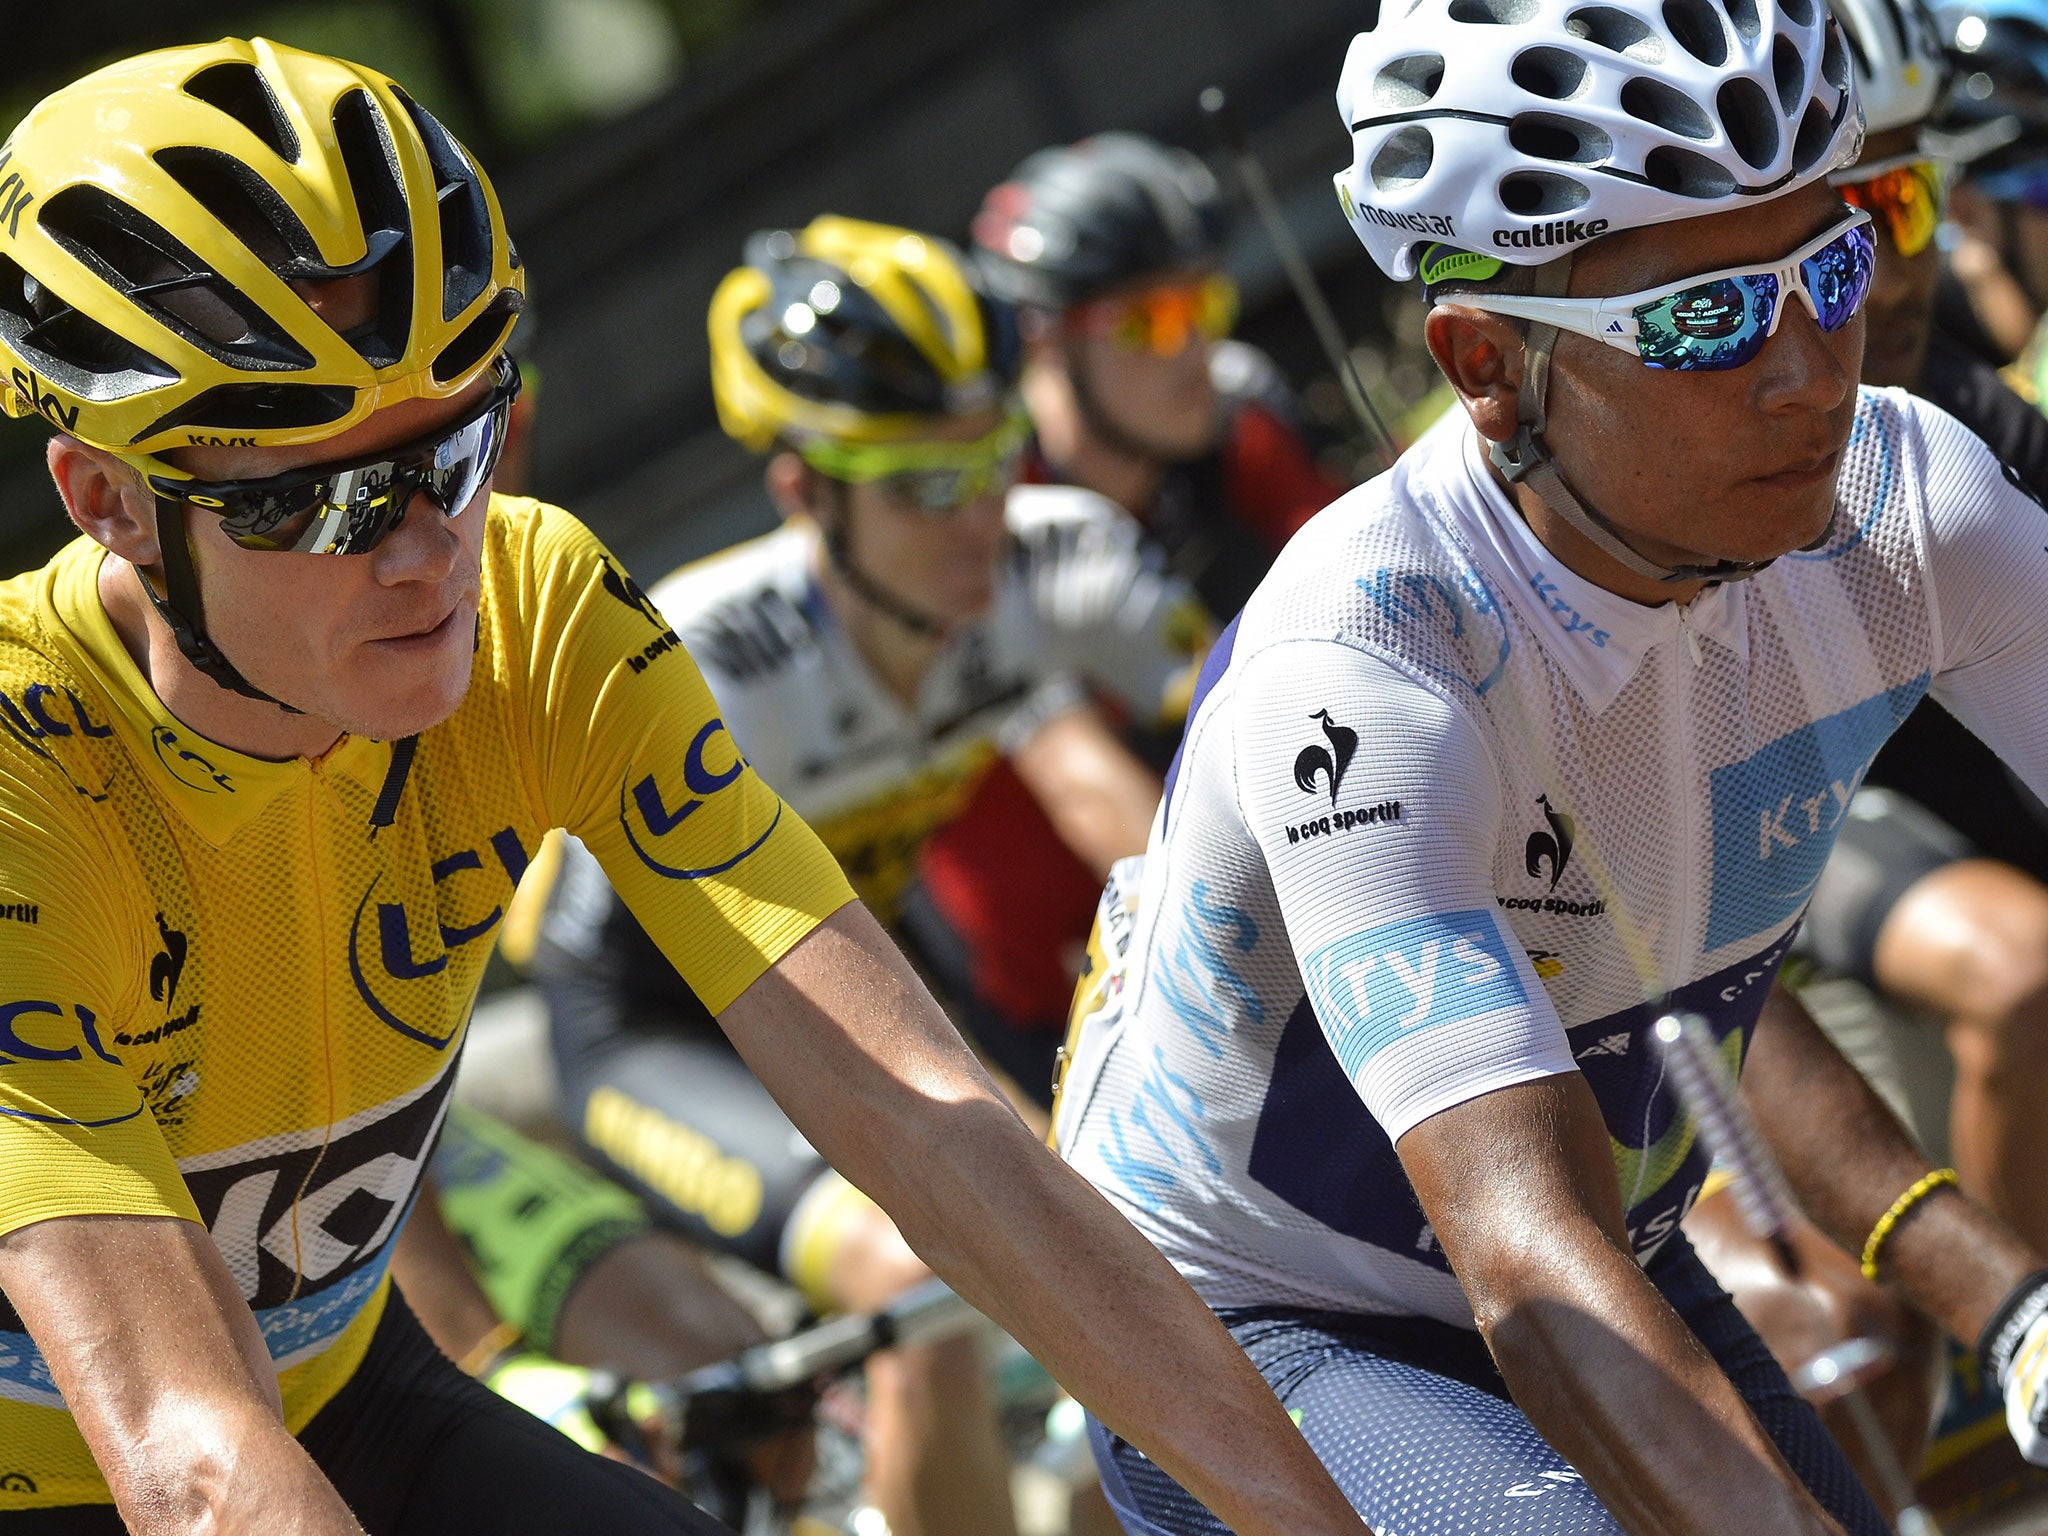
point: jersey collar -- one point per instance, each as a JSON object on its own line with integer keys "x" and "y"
{"x": 218, "y": 790}
{"x": 1597, "y": 638}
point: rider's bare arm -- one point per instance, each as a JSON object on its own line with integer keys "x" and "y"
{"x": 428, "y": 1264}
{"x": 162, "y": 1366}
{"x": 1098, "y": 796}
{"x": 1848, "y": 1158}
{"x": 851, "y": 1044}
{"x": 1519, "y": 1187}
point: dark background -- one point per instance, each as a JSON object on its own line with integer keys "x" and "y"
{"x": 636, "y": 143}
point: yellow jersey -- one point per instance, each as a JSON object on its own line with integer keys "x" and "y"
{"x": 234, "y": 990}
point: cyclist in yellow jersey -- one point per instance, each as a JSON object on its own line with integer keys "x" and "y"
{"x": 264, "y": 808}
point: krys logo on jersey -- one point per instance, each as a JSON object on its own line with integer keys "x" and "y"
{"x": 1321, "y": 767}
{"x": 1776, "y": 812}
{"x": 401, "y": 970}
{"x": 656, "y": 809}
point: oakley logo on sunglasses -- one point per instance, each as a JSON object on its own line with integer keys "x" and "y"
{"x": 1560, "y": 232}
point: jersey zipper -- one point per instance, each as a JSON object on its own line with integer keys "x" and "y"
{"x": 1685, "y": 767}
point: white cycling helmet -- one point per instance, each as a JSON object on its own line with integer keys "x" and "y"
{"x": 1901, "y": 68}
{"x": 1521, "y": 128}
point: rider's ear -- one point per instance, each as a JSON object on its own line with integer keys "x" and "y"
{"x": 1481, "y": 354}
{"x": 793, "y": 487}
{"x": 106, "y": 499}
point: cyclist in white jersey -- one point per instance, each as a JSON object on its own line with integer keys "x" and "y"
{"x": 917, "y": 615}
{"x": 1538, "y": 736}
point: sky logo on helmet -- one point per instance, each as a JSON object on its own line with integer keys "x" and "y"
{"x": 1556, "y": 232}
{"x": 43, "y": 400}
{"x": 14, "y": 195}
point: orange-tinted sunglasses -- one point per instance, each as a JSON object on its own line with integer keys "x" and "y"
{"x": 1907, "y": 194}
{"x": 1162, "y": 320}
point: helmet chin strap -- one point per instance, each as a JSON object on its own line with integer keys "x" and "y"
{"x": 1526, "y": 459}
{"x": 185, "y": 615}
{"x": 839, "y": 550}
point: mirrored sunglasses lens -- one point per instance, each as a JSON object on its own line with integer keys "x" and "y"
{"x": 1721, "y": 324}
{"x": 1838, "y": 275}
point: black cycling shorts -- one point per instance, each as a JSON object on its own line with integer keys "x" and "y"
{"x": 415, "y": 1448}
{"x": 681, "y": 1121}
{"x": 1887, "y": 844}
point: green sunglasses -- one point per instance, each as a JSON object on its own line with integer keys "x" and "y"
{"x": 935, "y": 478}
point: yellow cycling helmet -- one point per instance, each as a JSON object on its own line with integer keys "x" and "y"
{"x": 854, "y": 332}
{"x": 155, "y": 215}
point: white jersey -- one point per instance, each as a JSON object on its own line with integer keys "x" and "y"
{"x": 1448, "y": 818}
{"x": 1079, "y": 606}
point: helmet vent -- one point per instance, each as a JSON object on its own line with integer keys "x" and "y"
{"x": 246, "y": 205}
{"x": 1666, "y": 107}
{"x": 1686, "y": 174}
{"x": 257, "y": 408}
{"x": 1742, "y": 15}
{"x": 241, "y": 91}
{"x": 71, "y": 350}
{"x": 1539, "y": 194}
{"x": 1498, "y": 13}
{"x": 158, "y": 274}
{"x": 1404, "y": 159}
{"x": 1617, "y": 32}
{"x": 1800, "y": 13}
{"x": 465, "y": 215}
{"x": 1788, "y": 72}
{"x": 1834, "y": 60}
{"x": 1550, "y": 73}
{"x": 374, "y": 180}
{"x": 1750, "y": 120}
{"x": 479, "y": 339}
{"x": 1548, "y": 137}
{"x": 1408, "y": 82}
{"x": 1816, "y": 133}
{"x": 1698, "y": 29}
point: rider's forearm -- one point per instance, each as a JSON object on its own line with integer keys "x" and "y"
{"x": 1119, "y": 1328}
{"x": 1616, "y": 1383}
{"x": 1098, "y": 797}
{"x": 435, "y": 1279}
{"x": 1847, "y": 1159}
{"x": 234, "y": 1471}
{"x": 870, "y": 1070}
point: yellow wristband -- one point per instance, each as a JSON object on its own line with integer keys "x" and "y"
{"x": 1921, "y": 1188}
{"x": 485, "y": 1352}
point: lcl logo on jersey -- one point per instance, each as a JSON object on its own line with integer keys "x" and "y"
{"x": 395, "y": 956}
{"x": 187, "y": 766}
{"x": 647, "y": 812}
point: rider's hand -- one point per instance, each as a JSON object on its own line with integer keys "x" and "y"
{"x": 2015, "y": 1351}
{"x": 548, "y": 1390}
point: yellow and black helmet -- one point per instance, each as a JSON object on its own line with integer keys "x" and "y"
{"x": 855, "y": 332}
{"x": 156, "y": 215}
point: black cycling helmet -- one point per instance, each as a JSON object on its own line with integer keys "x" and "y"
{"x": 1998, "y": 111}
{"x": 1074, "y": 221}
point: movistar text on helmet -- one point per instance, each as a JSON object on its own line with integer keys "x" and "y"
{"x": 1558, "y": 232}
{"x": 1421, "y": 223}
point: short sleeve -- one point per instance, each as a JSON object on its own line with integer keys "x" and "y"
{"x": 1377, "y": 809}
{"x": 75, "y": 1136}
{"x": 630, "y": 753}
{"x": 1987, "y": 571}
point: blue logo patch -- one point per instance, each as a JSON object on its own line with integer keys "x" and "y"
{"x": 1372, "y": 988}
{"x": 1776, "y": 812}
{"x": 701, "y": 781}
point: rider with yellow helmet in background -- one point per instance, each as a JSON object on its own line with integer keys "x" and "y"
{"x": 916, "y": 616}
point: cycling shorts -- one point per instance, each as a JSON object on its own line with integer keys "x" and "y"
{"x": 1416, "y": 1426}
{"x": 415, "y": 1448}
{"x": 1887, "y": 845}
{"x": 532, "y": 1220}
{"x": 681, "y": 1121}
